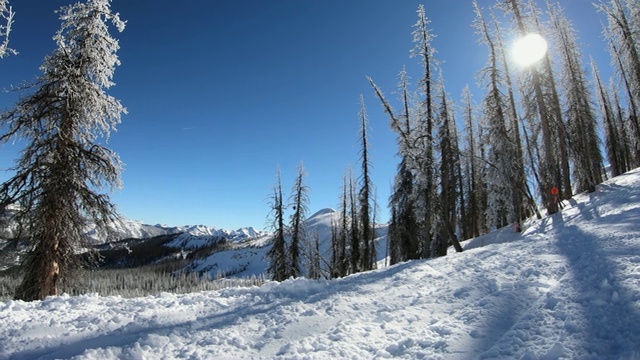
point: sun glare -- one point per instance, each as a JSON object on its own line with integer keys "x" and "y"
{"x": 529, "y": 49}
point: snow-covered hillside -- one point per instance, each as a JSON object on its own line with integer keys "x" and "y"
{"x": 249, "y": 257}
{"x": 568, "y": 287}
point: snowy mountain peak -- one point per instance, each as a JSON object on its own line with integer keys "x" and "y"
{"x": 323, "y": 212}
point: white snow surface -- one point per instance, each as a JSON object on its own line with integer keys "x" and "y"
{"x": 568, "y": 287}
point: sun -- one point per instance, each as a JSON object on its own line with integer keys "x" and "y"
{"x": 529, "y": 49}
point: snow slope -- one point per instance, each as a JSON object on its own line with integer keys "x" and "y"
{"x": 248, "y": 256}
{"x": 568, "y": 287}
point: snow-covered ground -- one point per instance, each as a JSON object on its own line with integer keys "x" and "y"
{"x": 568, "y": 287}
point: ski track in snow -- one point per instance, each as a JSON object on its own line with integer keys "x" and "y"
{"x": 568, "y": 287}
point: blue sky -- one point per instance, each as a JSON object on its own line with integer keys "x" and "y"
{"x": 221, "y": 94}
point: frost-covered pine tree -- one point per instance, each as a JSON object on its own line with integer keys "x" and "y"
{"x": 404, "y": 243}
{"x": 539, "y": 105}
{"x": 341, "y": 258}
{"x": 445, "y": 224}
{"x": 423, "y": 152}
{"x": 626, "y": 152}
{"x": 64, "y": 165}
{"x": 278, "y": 259}
{"x": 314, "y": 258}
{"x": 611, "y": 135}
{"x": 470, "y": 159}
{"x": 623, "y": 36}
{"x": 297, "y": 228}
{"x": 522, "y": 201}
{"x": 365, "y": 196}
{"x": 560, "y": 138}
{"x": 355, "y": 240}
{"x": 579, "y": 114}
{"x": 416, "y": 141}
{"x": 6, "y": 14}
{"x": 501, "y": 187}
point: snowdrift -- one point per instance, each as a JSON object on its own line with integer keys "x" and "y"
{"x": 567, "y": 287}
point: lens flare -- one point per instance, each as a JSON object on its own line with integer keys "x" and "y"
{"x": 529, "y": 49}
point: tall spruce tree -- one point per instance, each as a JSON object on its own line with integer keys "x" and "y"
{"x": 404, "y": 242}
{"x": 63, "y": 166}
{"x": 343, "y": 257}
{"x": 631, "y": 120}
{"x": 278, "y": 260}
{"x": 581, "y": 119}
{"x": 623, "y": 36}
{"x": 612, "y": 142}
{"x": 424, "y": 141}
{"x": 297, "y": 228}
{"x": 537, "y": 103}
{"x": 501, "y": 187}
{"x": 355, "y": 238}
{"x": 365, "y": 196}
{"x": 523, "y": 201}
{"x": 472, "y": 185}
{"x": 625, "y": 154}
{"x": 447, "y": 201}
{"x": 560, "y": 138}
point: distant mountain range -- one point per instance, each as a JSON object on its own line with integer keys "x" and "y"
{"x": 131, "y": 229}
{"x": 212, "y": 251}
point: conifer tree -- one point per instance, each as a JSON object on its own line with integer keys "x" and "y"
{"x": 523, "y": 201}
{"x": 314, "y": 258}
{"x": 472, "y": 185}
{"x": 62, "y": 167}
{"x": 404, "y": 242}
{"x": 354, "y": 231}
{"x": 424, "y": 151}
{"x": 536, "y": 97}
{"x": 335, "y": 251}
{"x": 342, "y": 257}
{"x": 633, "y": 112}
{"x": 560, "y": 138}
{"x": 364, "y": 196}
{"x": 278, "y": 259}
{"x": 300, "y": 201}
{"x": 623, "y": 36}
{"x": 447, "y": 202}
{"x": 581, "y": 119}
{"x": 6, "y": 14}
{"x": 625, "y": 141}
{"x": 612, "y": 141}
{"x": 501, "y": 188}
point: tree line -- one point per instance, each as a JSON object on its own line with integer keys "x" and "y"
{"x": 533, "y": 139}
{"x": 352, "y": 237}
{"x": 531, "y": 143}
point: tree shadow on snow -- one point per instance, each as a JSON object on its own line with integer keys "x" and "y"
{"x": 609, "y": 317}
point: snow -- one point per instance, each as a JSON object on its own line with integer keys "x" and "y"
{"x": 247, "y": 257}
{"x": 567, "y": 287}
{"x": 193, "y": 236}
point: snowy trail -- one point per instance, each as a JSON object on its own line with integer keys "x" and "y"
{"x": 567, "y": 287}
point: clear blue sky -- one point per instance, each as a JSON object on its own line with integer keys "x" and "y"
{"x": 222, "y": 93}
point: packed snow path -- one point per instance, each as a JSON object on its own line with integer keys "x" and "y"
{"x": 567, "y": 287}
